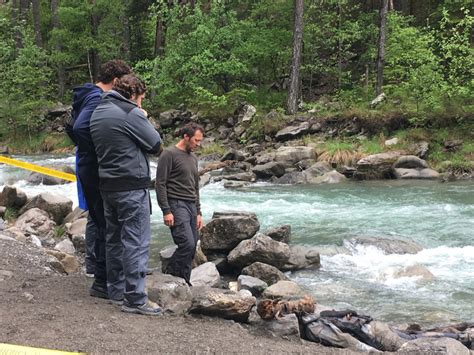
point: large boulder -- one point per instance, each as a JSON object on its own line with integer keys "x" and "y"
{"x": 227, "y": 229}
{"x": 385, "y": 336}
{"x": 205, "y": 275}
{"x": 12, "y": 197}
{"x": 388, "y": 246}
{"x": 65, "y": 246}
{"x": 245, "y": 113}
{"x": 286, "y": 327}
{"x": 233, "y": 154}
{"x": 376, "y": 166}
{"x": 37, "y": 178}
{"x": 318, "y": 169}
{"x": 76, "y": 214}
{"x": 280, "y": 233}
{"x": 420, "y": 174}
{"x": 264, "y": 272}
{"x": 57, "y": 206}
{"x": 292, "y": 178}
{"x": 252, "y": 284}
{"x": 167, "y": 253}
{"x": 171, "y": 293}
{"x": 436, "y": 346}
{"x": 260, "y": 248}
{"x": 283, "y": 289}
{"x": 222, "y": 303}
{"x": 301, "y": 258}
{"x": 35, "y": 221}
{"x": 416, "y": 270}
{"x": 268, "y": 170}
{"x": 410, "y": 162}
{"x": 292, "y": 132}
{"x": 78, "y": 227}
{"x": 168, "y": 118}
{"x": 288, "y": 156}
{"x": 332, "y": 177}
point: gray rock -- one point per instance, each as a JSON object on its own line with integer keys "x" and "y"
{"x": 12, "y": 197}
{"x": 288, "y": 156}
{"x": 378, "y": 100}
{"x": 33, "y": 239}
{"x": 204, "y": 180}
{"x": 79, "y": 242}
{"x": 318, "y": 169}
{"x": 268, "y": 170}
{"x": 410, "y": 162}
{"x": 233, "y": 154}
{"x": 292, "y": 132}
{"x": 388, "y": 246}
{"x": 292, "y": 178}
{"x": 421, "y": 174}
{"x": 283, "y": 289}
{"x": 35, "y": 221}
{"x": 390, "y": 142}
{"x": 17, "y": 234}
{"x": 434, "y": 346}
{"x": 171, "y": 293}
{"x": 65, "y": 246}
{"x": 199, "y": 257}
{"x": 167, "y": 253}
{"x": 69, "y": 263}
{"x": 301, "y": 258}
{"x": 4, "y": 149}
{"x": 376, "y": 166}
{"x": 382, "y": 333}
{"x": 220, "y": 214}
{"x": 286, "y": 327}
{"x": 226, "y": 230}
{"x": 415, "y": 271}
{"x": 235, "y": 184}
{"x": 37, "y": 178}
{"x": 2, "y": 222}
{"x": 205, "y": 275}
{"x": 78, "y": 227}
{"x": 280, "y": 233}
{"x": 168, "y": 118}
{"x": 252, "y": 284}
{"x": 420, "y": 149}
{"x": 247, "y": 113}
{"x": 76, "y": 214}
{"x": 264, "y": 272}
{"x": 56, "y": 205}
{"x": 222, "y": 303}
{"x": 260, "y": 248}
{"x": 246, "y": 177}
{"x": 332, "y": 177}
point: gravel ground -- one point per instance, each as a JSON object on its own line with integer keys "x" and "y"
{"x": 41, "y": 308}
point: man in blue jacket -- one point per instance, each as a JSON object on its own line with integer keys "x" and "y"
{"x": 86, "y": 99}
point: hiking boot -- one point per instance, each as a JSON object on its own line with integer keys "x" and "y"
{"x": 99, "y": 291}
{"x": 148, "y": 308}
{"x": 116, "y": 302}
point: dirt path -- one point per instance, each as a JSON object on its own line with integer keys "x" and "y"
{"x": 40, "y": 308}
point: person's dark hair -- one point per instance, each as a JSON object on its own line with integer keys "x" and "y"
{"x": 190, "y": 129}
{"x": 115, "y": 68}
{"x": 129, "y": 85}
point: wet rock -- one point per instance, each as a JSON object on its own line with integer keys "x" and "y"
{"x": 318, "y": 169}
{"x": 259, "y": 248}
{"x": 245, "y": 177}
{"x": 283, "y": 289}
{"x": 288, "y": 156}
{"x": 235, "y": 184}
{"x": 233, "y": 154}
{"x": 292, "y": 132}
{"x": 56, "y": 205}
{"x": 410, "y": 162}
{"x": 415, "y": 271}
{"x": 280, "y": 233}
{"x": 420, "y": 174}
{"x": 65, "y": 246}
{"x": 301, "y": 258}
{"x": 332, "y": 177}
{"x": 205, "y": 275}
{"x": 376, "y": 166}
{"x": 78, "y": 227}
{"x": 292, "y": 178}
{"x": 37, "y": 178}
{"x": 264, "y": 272}
{"x": 388, "y": 246}
{"x": 171, "y": 293}
{"x": 227, "y": 229}
{"x": 12, "y": 197}
{"x": 222, "y": 303}
{"x": 436, "y": 346}
{"x": 268, "y": 170}
{"x": 35, "y": 221}
{"x": 252, "y": 284}
{"x": 204, "y": 180}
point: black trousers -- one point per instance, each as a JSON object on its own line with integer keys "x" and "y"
{"x": 185, "y": 236}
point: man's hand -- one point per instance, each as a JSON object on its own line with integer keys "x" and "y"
{"x": 199, "y": 222}
{"x": 169, "y": 220}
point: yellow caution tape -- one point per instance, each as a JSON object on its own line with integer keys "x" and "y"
{"x": 38, "y": 169}
{"x": 8, "y": 349}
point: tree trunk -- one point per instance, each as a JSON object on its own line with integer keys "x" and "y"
{"x": 95, "y": 60}
{"x": 293, "y": 90}
{"x": 16, "y": 24}
{"x": 58, "y": 47}
{"x": 381, "y": 47}
{"x": 37, "y": 22}
{"x": 159, "y": 36}
{"x": 126, "y": 37}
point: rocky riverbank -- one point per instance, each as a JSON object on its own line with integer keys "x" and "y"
{"x": 235, "y": 268}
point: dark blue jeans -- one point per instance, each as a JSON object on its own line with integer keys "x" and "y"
{"x": 127, "y": 243}
{"x": 185, "y": 236}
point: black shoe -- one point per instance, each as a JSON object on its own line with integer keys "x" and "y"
{"x": 99, "y": 291}
{"x": 147, "y": 309}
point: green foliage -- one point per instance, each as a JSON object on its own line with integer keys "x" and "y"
{"x": 58, "y": 232}
{"x": 10, "y": 214}
{"x": 214, "y": 148}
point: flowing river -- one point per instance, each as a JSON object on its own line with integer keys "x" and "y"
{"x": 439, "y": 217}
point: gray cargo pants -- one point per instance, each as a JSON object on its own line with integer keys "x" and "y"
{"x": 128, "y": 235}
{"x": 185, "y": 236}
{"x": 91, "y": 236}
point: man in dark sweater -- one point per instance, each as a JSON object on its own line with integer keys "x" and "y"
{"x": 177, "y": 190}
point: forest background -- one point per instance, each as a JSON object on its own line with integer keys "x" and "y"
{"x": 210, "y": 55}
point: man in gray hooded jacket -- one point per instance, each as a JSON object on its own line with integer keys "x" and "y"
{"x": 122, "y": 137}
